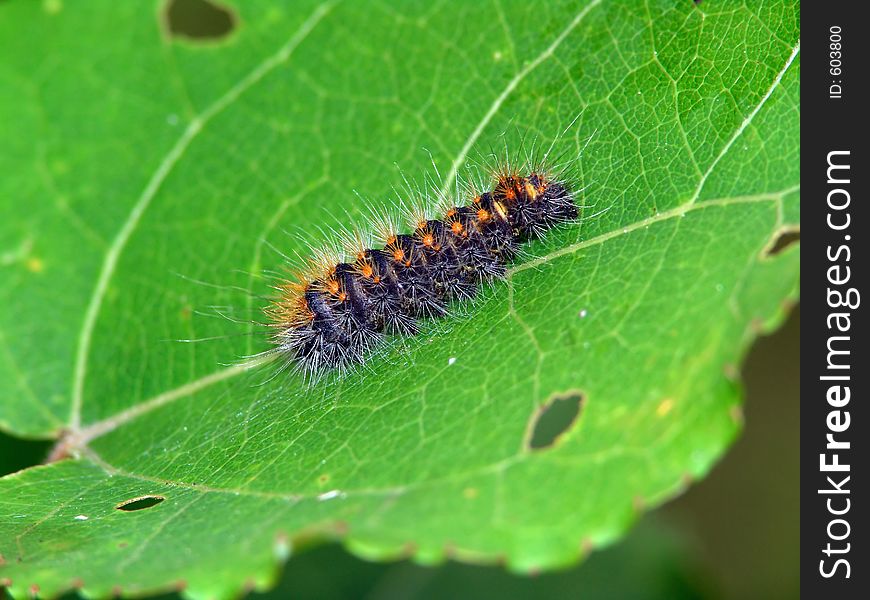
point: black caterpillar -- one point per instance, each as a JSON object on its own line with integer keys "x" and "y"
{"x": 335, "y": 313}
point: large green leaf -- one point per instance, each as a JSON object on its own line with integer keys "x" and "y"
{"x": 148, "y": 181}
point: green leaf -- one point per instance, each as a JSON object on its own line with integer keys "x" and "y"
{"x": 148, "y": 180}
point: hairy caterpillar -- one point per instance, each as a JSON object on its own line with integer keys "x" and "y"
{"x": 333, "y": 311}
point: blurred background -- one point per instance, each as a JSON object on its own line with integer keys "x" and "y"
{"x": 734, "y": 535}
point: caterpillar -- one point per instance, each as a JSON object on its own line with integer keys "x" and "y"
{"x": 330, "y": 314}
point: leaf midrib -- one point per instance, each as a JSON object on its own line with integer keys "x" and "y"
{"x": 104, "y": 426}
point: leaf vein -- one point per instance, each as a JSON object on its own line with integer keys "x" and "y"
{"x": 511, "y": 86}
{"x": 746, "y": 121}
{"x": 107, "y": 425}
{"x": 164, "y": 168}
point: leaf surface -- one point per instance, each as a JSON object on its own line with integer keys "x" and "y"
{"x": 149, "y": 181}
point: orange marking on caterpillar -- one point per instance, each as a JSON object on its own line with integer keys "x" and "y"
{"x": 333, "y": 287}
{"x": 531, "y": 191}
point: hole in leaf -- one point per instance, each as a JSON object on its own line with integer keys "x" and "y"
{"x": 198, "y": 19}
{"x": 554, "y": 419}
{"x": 783, "y": 241}
{"x": 139, "y": 503}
